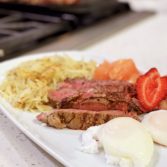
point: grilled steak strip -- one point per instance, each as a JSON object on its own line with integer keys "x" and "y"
{"x": 80, "y": 119}
{"x": 95, "y": 95}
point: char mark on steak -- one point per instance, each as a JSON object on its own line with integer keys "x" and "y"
{"x": 80, "y": 119}
{"x": 95, "y": 95}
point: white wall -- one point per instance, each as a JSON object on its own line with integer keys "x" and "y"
{"x": 155, "y": 5}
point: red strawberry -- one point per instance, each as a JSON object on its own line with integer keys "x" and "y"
{"x": 151, "y": 89}
{"x": 164, "y": 79}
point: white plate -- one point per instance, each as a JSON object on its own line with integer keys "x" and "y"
{"x": 63, "y": 145}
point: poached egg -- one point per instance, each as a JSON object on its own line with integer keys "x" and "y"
{"x": 125, "y": 141}
{"x": 156, "y": 124}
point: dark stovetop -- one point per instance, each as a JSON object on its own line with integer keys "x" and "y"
{"x": 23, "y": 27}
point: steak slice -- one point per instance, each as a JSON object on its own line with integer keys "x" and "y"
{"x": 94, "y": 95}
{"x": 80, "y": 119}
{"x": 112, "y": 85}
{"x": 76, "y": 87}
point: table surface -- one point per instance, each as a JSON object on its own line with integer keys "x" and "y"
{"x": 147, "y": 38}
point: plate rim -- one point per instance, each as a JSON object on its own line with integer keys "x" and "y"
{"x": 5, "y": 106}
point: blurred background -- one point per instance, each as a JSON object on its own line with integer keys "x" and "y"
{"x": 45, "y": 25}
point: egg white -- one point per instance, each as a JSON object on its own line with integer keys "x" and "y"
{"x": 127, "y": 142}
{"x": 156, "y": 124}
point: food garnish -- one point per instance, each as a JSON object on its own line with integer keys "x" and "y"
{"x": 151, "y": 89}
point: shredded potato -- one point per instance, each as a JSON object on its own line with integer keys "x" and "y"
{"x": 26, "y": 87}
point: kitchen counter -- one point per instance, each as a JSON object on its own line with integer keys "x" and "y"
{"x": 147, "y": 39}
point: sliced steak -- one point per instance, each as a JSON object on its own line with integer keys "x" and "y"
{"x": 95, "y": 95}
{"x": 80, "y": 119}
{"x": 112, "y": 85}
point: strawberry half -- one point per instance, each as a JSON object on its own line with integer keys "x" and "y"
{"x": 151, "y": 89}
